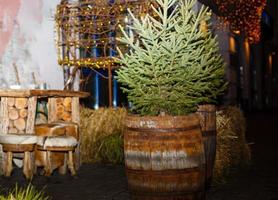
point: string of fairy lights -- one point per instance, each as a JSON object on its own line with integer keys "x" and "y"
{"x": 243, "y": 16}
{"x": 86, "y": 30}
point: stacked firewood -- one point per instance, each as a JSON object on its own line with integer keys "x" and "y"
{"x": 63, "y": 109}
{"x": 17, "y": 113}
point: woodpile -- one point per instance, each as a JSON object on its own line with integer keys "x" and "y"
{"x": 17, "y": 114}
{"x": 63, "y": 109}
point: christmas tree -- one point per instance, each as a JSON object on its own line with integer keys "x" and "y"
{"x": 173, "y": 63}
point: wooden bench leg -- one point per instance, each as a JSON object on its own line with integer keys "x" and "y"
{"x": 27, "y": 166}
{"x": 8, "y": 164}
{"x": 71, "y": 164}
{"x": 63, "y": 168}
{"x": 33, "y": 163}
{"x": 48, "y": 167}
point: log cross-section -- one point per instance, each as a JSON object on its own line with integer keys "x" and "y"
{"x": 21, "y": 103}
{"x": 23, "y": 113}
{"x": 11, "y": 101}
{"x": 13, "y": 114}
{"x": 67, "y": 104}
{"x": 20, "y": 124}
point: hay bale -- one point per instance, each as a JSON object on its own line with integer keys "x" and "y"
{"x": 232, "y": 151}
{"x": 98, "y": 126}
{"x": 102, "y": 138}
{"x": 111, "y": 149}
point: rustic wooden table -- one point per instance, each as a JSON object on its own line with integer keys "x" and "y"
{"x": 18, "y": 109}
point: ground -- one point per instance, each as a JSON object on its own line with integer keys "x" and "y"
{"x": 108, "y": 182}
{"x": 260, "y": 182}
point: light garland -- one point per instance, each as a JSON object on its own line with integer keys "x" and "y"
{"x": 100, "y": 62}
{"x": 86, "y": 30}
{"x": 243, "y": 16}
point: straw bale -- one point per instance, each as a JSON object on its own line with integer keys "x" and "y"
{"x": 102, "y": 138}
{"x": 232, "y": 150}
{"x": 96, "y": 126}
{"x": 111, "y": 149}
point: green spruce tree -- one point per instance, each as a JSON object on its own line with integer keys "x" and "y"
{"x": 174, "y": 62}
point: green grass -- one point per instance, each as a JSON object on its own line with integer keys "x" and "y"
{"x": 111, "y": 149}
{"x": 28, "y": 193}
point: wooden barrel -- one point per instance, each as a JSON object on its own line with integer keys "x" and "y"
{"x": 207, "y": 114}
{"x": 164, "y": 157}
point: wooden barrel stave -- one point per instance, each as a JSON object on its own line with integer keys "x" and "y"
{"x": 164, "y": 162}
{"x": 207, "y": 115}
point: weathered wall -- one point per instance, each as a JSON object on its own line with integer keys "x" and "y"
{"x": 27, "y": 41}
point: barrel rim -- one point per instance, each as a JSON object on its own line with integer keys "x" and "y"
{"x": 131, "y": 115}
{"x": 164, "y": 130}
{"x": 162, "y": 122}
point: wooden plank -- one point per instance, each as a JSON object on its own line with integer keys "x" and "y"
{"x": 52, "y": 107}
{"x": 4, "y": 124}
{"x": 30, "y": 123}
{"x": 32, "y": 106}
{"x": 58, "y": 93}
{"x": 41, "y": 93}
{"x": 75, "y": 110}
{"x": 4, "y": 116}
{"x": 110, "y": 86}
{"x": 75, "y": 117}
{"x": 14, "y": 93}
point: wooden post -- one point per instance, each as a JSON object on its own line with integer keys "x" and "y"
{"x": 75, "y": 110}
{"x": 75, "y": 117}
{"x": 52, "y": 117}
{"x": 30, "y": 124}
{"x": 4, "y": 119}
{"x": 32, "y": 105}
{"x": 110, "y": 86}
{"x": 66, "y": 72}
{"x": 4, "y": 115}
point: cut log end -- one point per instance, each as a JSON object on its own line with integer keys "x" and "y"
{"x": 66, "y": 116}
{"x": 23, "y": 113}
{"x": 11, "y": 124}
{"x": 11, "y": 102}
{"x": 59, "y": 101}
{"x": 13, "y": 131}
{"x": 13, "y": 114}
{"x": 20, "y": 124}
{"x": 67, "y": 103}
{"x": 21, "y": 103}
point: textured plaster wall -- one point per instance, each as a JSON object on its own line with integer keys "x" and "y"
{"x": 27, "y": 41}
